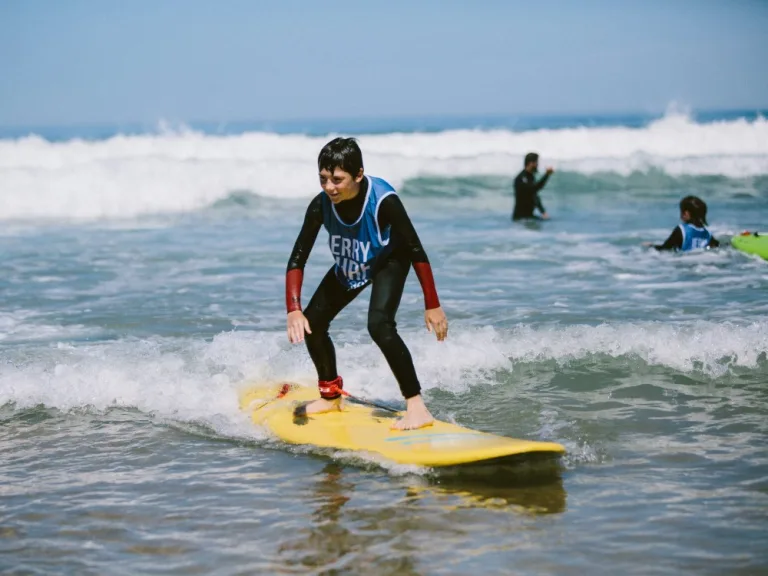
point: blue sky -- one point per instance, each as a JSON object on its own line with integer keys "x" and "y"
{"x": 91, "y": 61}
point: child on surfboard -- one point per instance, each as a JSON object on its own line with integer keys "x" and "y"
{"x": 373, "y": 242}
{"x": 691, "y": 233}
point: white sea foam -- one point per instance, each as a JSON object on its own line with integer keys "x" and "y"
{"x": 126, "y": 176}
{"x": 22, "y": 326}
{"x": 194, "y": 379}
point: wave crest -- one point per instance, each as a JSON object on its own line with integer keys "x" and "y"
{"x": 126, "y": 176}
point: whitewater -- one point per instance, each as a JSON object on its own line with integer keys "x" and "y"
{"x": 185, "y": 170}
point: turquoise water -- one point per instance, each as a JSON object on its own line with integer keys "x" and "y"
{"x": 140, "y": 288}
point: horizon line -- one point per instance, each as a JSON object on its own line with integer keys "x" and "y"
{"x": 669, "y": 110}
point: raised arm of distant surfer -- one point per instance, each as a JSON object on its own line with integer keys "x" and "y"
{"x": 527, "y": 190}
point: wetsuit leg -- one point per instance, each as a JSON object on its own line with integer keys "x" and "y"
{"x": 329, "y": 299}
{"x": 388, "y": 284}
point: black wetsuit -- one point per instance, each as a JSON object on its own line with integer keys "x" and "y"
{"x": 527, "y": 195}
{"x": 675, "y": 241}
{"x": 388, "y": 282}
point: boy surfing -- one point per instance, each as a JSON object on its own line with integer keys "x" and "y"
{"x": 373, "y": 243}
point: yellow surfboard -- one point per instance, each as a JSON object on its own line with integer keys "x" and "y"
{"x": 363, "y": 428}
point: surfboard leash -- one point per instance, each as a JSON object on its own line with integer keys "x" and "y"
{"x": 365, "y": 402}
{"x": 285, "y": 388}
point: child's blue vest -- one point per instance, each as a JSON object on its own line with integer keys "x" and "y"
{"x": 694, "y": 238}
{"x": 356, "y": 246}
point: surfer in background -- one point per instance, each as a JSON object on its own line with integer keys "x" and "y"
{"x": 527, "y": 189}
{"x": 373, "y": 242}
{"x": 691, "y": 233}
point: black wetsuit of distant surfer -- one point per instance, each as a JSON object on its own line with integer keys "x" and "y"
{"x": 691, "y": 233}
{"x": 676, "y": 241}
{"x": 387, "y": 279}
{"x": 527, "y": 195}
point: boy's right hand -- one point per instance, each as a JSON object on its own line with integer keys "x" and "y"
{"x": 550, "y": 170}
{"x": 297, "y": 325}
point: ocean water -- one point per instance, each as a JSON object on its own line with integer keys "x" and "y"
{"x": 141, "y": 284}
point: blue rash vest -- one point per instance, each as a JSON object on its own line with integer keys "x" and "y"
{"x": 356, "y": 246}
{"x": 694, "y": 238}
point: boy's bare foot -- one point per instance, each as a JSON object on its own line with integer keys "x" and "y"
{"x": 322, "y": 405}
{"x": 416, "y": 415}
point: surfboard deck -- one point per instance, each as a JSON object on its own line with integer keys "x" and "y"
{"x": 752, "y": 243}
{"x": 362, "y": 428}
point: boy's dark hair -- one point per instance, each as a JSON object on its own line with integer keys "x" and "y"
{"x": 697, "y": 208}
{"x": 530, "y": 157}
{"x": 341, "y": 153}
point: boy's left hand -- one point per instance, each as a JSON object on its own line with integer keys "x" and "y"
{"x": 435, "y": 319}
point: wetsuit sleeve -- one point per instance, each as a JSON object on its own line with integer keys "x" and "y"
{"x": 541, "y": 183}
{"x": 530, "y": 190}
{"x": 294, "y": 275}
{"x": 714, "y": 242}
{"x": 674, "y": 242}
{"x": 523, "y": 187}
{"x": 392, "y": 213}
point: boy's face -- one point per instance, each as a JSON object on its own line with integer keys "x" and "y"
{"x": 685, "y": 216}
{"x": 340, "y": 185}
